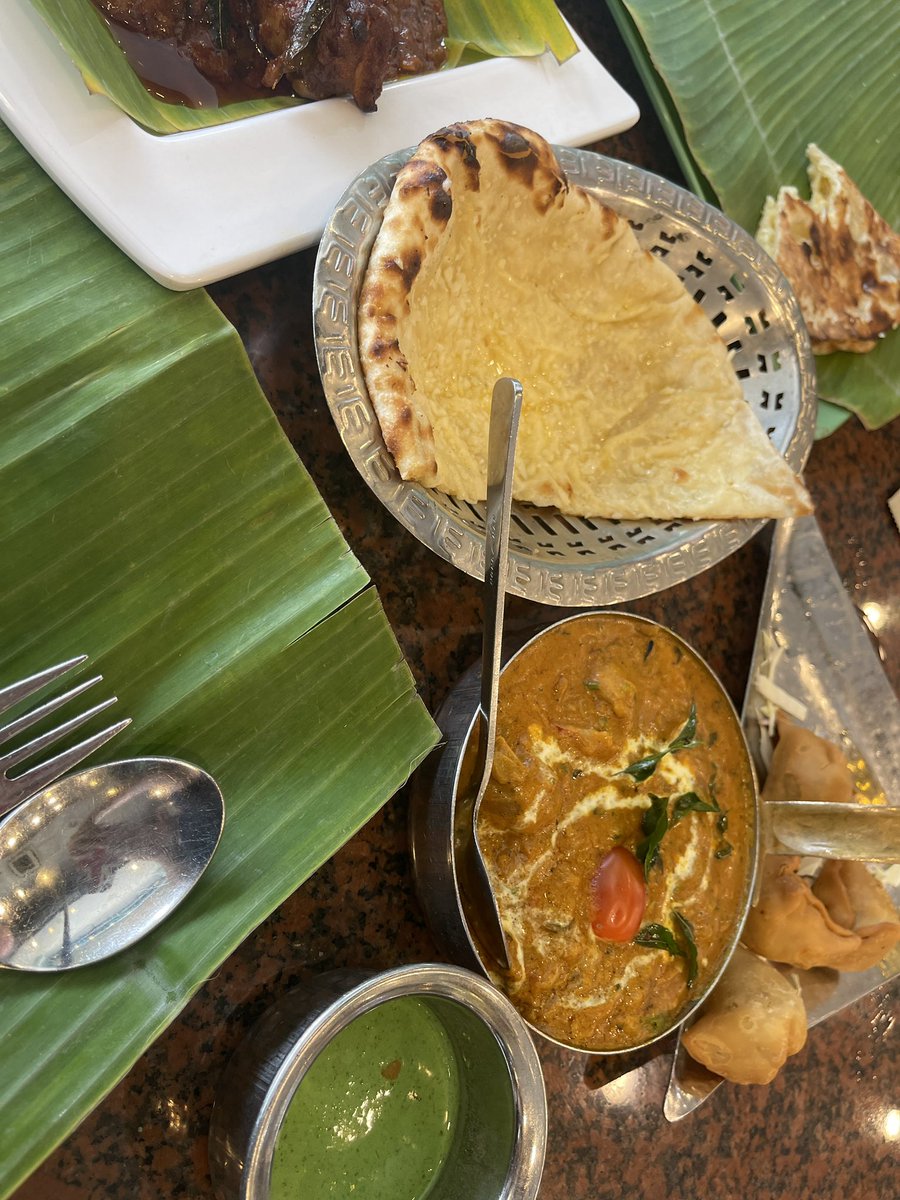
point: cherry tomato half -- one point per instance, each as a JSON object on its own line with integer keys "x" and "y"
{"x": 618, "y": 896}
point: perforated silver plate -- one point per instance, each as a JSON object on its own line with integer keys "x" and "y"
{"x": 555, "y": 558}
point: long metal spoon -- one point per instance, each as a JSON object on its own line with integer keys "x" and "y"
{"x": 506, "y": 405}
{"x": 94, "y": 862}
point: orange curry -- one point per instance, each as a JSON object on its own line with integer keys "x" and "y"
{"x": 620, "y": 807}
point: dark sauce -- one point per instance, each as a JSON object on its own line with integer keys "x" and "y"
{"x": 167, "y": 72}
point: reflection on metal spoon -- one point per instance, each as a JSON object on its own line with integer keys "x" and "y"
{"x": 97, "y": 860}
{"x": 506, "y": 407}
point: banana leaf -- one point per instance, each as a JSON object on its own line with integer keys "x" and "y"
{"x": 518, "y": 28}
{"x": 489, "y": 27}
{"x": 154, "y": 516}
{"x": 743, "y": 88}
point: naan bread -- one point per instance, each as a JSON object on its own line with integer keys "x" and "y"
{"x": 842, "y": 259}
{"x": 751, "y": 1023}
{"x": 490, "y": 263}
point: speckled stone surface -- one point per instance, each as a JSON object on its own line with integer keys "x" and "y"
{"x": 827, "y": 1128}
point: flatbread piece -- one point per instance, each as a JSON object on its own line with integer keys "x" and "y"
{"x": 490, "y": 263}
{"x": 842, "y": 259}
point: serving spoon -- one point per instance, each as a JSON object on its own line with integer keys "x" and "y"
{"x": 506, "y": 405}
{"x": 95, "y": 861}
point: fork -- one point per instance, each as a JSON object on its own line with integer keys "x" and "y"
{"x": 33, "y": 780}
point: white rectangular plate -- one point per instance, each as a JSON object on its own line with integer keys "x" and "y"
{"x": 191, "y": 208}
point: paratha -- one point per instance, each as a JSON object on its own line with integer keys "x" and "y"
{"x": 489, "y": 263}
{"x": 842, "y": 259}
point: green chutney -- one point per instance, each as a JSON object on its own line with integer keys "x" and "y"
{"x": 375, "y": 1114}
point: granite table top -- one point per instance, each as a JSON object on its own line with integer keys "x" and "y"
{"x": 828, "y": 1127}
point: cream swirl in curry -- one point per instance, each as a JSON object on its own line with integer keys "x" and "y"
{"x": 612, "y": 733}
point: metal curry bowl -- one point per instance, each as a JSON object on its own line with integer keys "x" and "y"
{"x": 436, "y": 809}
{"x": 497, "y": 1152}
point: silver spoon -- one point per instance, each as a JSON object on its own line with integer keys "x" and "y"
{"x": 97, "y": 860}
{"x": 506, "y": 405}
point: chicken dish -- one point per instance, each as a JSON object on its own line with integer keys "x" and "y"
{"x": 317, "y": 48}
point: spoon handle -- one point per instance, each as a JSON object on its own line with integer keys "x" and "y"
{"x": 506, "y": 405}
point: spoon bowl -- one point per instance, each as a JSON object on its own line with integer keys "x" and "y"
{"x": 94, "y": 862}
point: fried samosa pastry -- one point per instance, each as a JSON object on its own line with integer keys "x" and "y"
{"x": 845, "y": 920}
{"x": 807, "y": 767}
{"x": 789, "y": 924}
{"x": 753, "y": 1021}
{"x": 831, "y": 889}
{"x": 856, "y": 899}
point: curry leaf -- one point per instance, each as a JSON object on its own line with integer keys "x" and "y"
{"x": 309, "y": 19}
{"x": 686, "y": 930}
{"x": 654, "y": 824}
{"x": 220, "y": 23}
{"x": 641, "y": 770}
{"x": 659, "y": 937}
{"x": 691, "y": 802}
{"x": 687, "y": 738}
{"x": 652, "y": 814}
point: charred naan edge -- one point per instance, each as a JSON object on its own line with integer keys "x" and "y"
{"x": 489, "y": 262}
{"x": 419, "y": 209}
{"x": 417, "y": 215}
{"x": 840, "y": 256}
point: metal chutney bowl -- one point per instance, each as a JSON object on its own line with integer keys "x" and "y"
{"x": 436, "y": 808}
{"x": 498, "y": 1152}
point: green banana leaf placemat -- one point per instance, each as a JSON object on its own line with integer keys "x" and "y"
{"x": 153, "y": 515}
{"x": 489, "y": 28}
{"x": 743, "y": 88}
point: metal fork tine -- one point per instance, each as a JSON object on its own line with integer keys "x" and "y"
{"x": 15, "y": 692}
{"x": 36, "y": 714}
{"x": 33, "y": 781}
{"x": 52, "y": 735}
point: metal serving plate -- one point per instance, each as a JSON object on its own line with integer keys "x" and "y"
{"x": 556, "y": 558}
{"x": 828, "y": 663}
